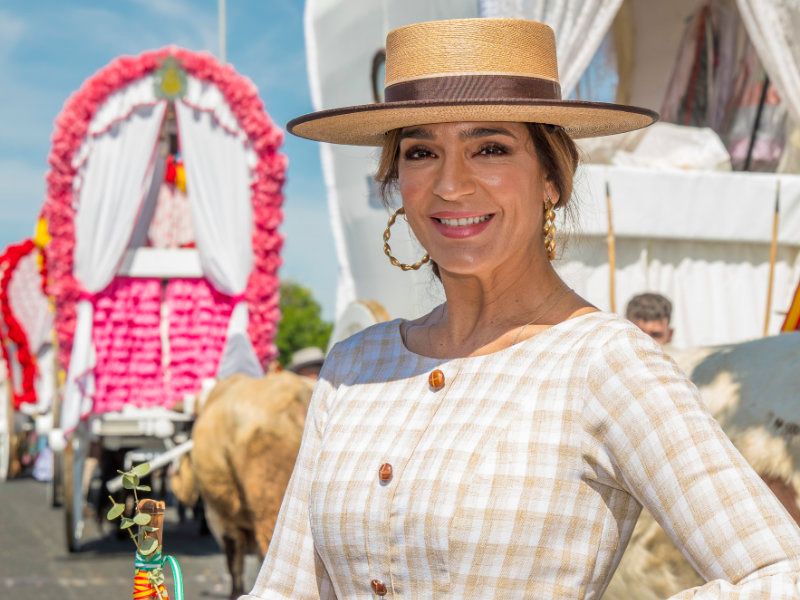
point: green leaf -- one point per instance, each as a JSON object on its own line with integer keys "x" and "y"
{"x": 130, "y": 481}
{"x": 142, "y": 518}
{"x": 148, "y": 546}
{"x": 149, "y": 529}
{"x": 141, "y": 470}
{"x": 115, "y": 511}
{"x": 126, "y": 523}
{"x": 143, "y": 488}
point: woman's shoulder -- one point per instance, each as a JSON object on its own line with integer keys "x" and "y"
{"x": 603, "y": 329}
{"x": 373, "y": 340}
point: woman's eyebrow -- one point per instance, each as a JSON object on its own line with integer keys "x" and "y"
{"x": 416, "y": 132}
{"x": 478, "y": 132}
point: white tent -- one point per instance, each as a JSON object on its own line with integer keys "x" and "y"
{"x": 700, "y": 237}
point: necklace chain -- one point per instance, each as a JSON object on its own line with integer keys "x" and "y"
{"x": 546, "y": 305}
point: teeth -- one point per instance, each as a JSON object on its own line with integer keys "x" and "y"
{"x": 464, "y": 222}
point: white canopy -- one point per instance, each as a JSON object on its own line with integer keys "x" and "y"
{"x": 580, "y": 26}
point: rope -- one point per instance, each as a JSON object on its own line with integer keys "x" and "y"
{"x": 143, "y": 587}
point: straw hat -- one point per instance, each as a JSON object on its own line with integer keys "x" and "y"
{"x": 306, "y": 357}
{"x": 469, "y": 70}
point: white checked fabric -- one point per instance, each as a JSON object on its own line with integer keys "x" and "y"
{"x": 522, "y": 478}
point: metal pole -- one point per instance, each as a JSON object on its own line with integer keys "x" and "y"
{"x": 221, "y": 27}
{"x": 115, "y": 485}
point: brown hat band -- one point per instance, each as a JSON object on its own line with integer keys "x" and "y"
{"x": 474, "y": 87}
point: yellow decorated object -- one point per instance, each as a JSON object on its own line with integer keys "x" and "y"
{"x": 170, "y": 79}
{"x": 180, "y": 177}
{"x": 41, "y": 234}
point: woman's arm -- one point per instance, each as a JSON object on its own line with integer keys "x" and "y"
{"x": 292, "y": 569}
{"x": 655, "y": 439}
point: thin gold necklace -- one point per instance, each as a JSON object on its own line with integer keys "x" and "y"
{"x": 546, "y": 305}
{"x": 543, "y": 308}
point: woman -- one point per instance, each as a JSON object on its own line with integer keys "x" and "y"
{"x": 503, "y": 445}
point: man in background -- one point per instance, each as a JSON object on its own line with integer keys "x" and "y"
{"x": 651, "y": 313}
{"x": 307, "y": 362}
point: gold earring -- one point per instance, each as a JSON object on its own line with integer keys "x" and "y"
{"x": 549, "y": 229}
{"x": 387, "y": 250}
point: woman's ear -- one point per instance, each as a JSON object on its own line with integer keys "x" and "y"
{"x": 550, "y": 193}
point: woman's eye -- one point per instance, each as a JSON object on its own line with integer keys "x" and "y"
{"x": 493, "y": 150}
{"x": 417, "y": 153}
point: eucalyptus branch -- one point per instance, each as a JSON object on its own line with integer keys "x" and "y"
{"x": 131, "y": 480}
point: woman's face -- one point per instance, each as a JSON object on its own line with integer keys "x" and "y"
{"x": 473, "y": 194}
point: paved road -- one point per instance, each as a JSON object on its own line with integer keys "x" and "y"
{"x": 35, "y": 565}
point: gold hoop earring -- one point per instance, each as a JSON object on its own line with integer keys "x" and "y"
{"x": 387, "y": 250}
{"x": 549, "y": 229}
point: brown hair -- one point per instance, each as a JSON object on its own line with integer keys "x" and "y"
{"x": 649, "y": 307}
{"x": 555, "y": 150}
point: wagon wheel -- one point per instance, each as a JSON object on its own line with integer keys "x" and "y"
{"x": 56, "y": 489}
{"x": 6, "y": 430}
{"x": 74, "y": 465}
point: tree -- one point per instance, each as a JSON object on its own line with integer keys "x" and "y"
{"x": 301, "y": 322}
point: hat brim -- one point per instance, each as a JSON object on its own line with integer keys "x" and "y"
{"x": 318, "y": 362}
{"x": 366, "y": 125}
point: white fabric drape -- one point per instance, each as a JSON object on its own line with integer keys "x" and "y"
{"x": 772, "y": 26}
{"x": 218, "y": 186}
{"x": 115, "y": 176}
{"x": 29, "y": 304}
{"x": 579, "y": 25}
{"x": 700, "y": 238}
{"x": 218, "y": 175}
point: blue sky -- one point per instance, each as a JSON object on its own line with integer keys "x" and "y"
{"x": 48, "y": 47}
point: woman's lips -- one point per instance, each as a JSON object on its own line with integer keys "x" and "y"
{"x": 454, "y": 225}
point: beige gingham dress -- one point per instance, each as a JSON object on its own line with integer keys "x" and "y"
{"x": 521, "y": 478}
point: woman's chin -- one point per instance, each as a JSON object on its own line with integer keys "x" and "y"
{"x": 464, "y": 266}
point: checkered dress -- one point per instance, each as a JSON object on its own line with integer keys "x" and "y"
{"x": 522, "y": 477}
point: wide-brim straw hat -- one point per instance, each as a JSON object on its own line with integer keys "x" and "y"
{"x": 469, "y": 70}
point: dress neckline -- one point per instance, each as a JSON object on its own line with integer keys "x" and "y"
{"x": 532, "y": 341}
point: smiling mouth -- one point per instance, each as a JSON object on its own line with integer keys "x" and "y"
{"x": 464, "y": 222}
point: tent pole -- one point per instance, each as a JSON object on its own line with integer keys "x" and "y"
{"x": 612, "y": 253}
{"x": 761, "y": 101}
{"x": 773, "y": 256}
{"x": 221, "y": 30}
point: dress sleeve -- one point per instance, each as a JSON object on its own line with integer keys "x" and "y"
{"x": 653, "y": 438}
{"x": 292, "y": 569}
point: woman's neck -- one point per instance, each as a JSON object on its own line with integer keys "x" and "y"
{"x": 486, "y": 313}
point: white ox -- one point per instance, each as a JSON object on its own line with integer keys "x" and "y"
{"x": 753, "y": 390}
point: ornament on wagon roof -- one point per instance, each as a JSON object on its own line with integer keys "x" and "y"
{"x": 170, "y": 80}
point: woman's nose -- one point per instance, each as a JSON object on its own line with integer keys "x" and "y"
{"x": 453, "y": 179}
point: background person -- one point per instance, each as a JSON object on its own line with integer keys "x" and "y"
{"x": 651, "y": 313}
{"x": 307, "y": 362}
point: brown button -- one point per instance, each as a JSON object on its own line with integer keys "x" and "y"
{"x": 436, "y": 380}
{"x": 385, "y": 473}
{"x": 378, "y": 587}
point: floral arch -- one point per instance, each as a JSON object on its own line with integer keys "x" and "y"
{"x": 101, "y": 119}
